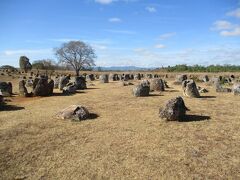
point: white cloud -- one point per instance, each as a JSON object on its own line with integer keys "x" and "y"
{"x": 140, "y": 50}
{"x": 159, "y": 46}
{"x": 167, "y": 35}
{"x": 26, "y": 51}
{"x": 235, "y": 13}
{"x": 11, "y": 57}
{"x": 104, "y": 1}
{"x": 202, "y": 56}
{"x": 151, "y": 9}
{"x": 221, "y": 25}
{"x": 115, "y": 20}
{"x": 233, "y": 32}
{"x": 99, "y": 46}
{"x": 226, "y": 28}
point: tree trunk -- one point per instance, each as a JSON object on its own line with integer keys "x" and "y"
{"x": 77, "y": 72}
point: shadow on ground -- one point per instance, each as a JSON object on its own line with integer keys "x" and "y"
{"x": 93, "y": 116}
{"x": 90, "y": 88}
{"x": 11, "y": 108}
{"x": 61, "y": 94}
{"x": 153, "y": 95}
{"x": 207, "y": 96}
{"x": 171, "y": 90}
{"x": 191, "y": 118}
{"x": 66, "y": 94}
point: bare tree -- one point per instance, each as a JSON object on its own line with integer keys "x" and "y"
{"x": 77, "y": 54}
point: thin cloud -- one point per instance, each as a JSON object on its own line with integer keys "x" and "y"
{"x": 226, "y": 28}
{"x": 233, "y": 32}
{"x": 222, "y": 25}
{"x": 217, "y": 55}
{"x": 234, "y": 13}
{"x": 159, "y": 46}
{"x": 26, "y": 51}
{"x": 99, "y": 47}
{"x": 114, "y": 20}
{"x": 151, "y": 9}
{"x": 104, "y": 1}
{"x": 140, "y": 50}
{"x": 167, "y": 35}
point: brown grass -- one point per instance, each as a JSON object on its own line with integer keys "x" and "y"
{"x": 126, "y": 141}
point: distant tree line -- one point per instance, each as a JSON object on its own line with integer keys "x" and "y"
{"x": 49, "y": 64}
{"x": 199, "y": 68}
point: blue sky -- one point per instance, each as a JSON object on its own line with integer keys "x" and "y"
{"x": 142, "y": 33}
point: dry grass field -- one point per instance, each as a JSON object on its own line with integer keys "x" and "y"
{"x": 125, "y": 139}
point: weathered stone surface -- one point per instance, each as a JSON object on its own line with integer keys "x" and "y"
{"x": 141, "y": 90}
{"x": 202, "y": 90}
{"x": 74, "y": 112}
{"x": 1, "y": 98}
{"x": 174, "y": 110}
{"x": 165, "y": 84}
{"x": 56, "y": 82}
{"x": 43, "y": 87}
{"x": 218, "y": 87}
{"x": 120, "y": 76}
{"x": 90, "y": 77}
{"x": 35, "y": 82}
{"x": 236, "y": 89}
{"x": 149, "y": 76}
{"x": 124, "y": 83}
{"x": 29, "y": 83}
{"x": 96, "y": 76}
{"x": 6, "y": 88}
{"x": 113, "y": 77}
{"x": 232, "y": 77}
{"x": 131, "y": 76}
{"x": 104, "y": 78}
{"x": 204, "y": 78}
{"x": 50, "y": 87}
{"x": 190, "y": 89}
{"x": 126, "y": 77}
{"x": 180, "y": 78}
{"x": 64, "y": 80}
{"x": 22, "y": 89}
{"x": 145, "y": 82}
{"x": 71, "y": 88}
{"x": 80, "y": 82}
{"x": 156, "y": 85}
{"x": 137, "y": 76}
